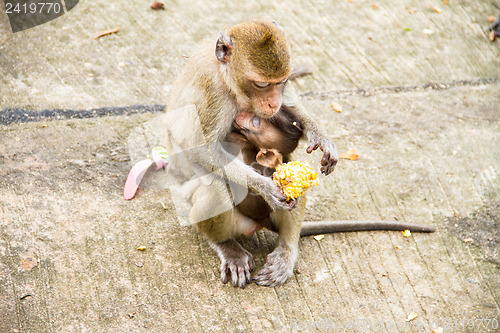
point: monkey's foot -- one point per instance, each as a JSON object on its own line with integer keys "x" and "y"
{"x": 277, "y": 269}
{"x": 236, "y": 261}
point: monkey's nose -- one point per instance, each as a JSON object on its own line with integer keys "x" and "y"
{"x": 273, "y": 107}
{"x": 271, "y": 110}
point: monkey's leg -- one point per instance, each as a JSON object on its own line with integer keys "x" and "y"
{"x": 220, "y": 231}
{"x": 235, "y": 260}
{"x": 281, "y": 262}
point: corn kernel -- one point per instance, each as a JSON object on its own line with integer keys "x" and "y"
{"x": 294, "y": 178}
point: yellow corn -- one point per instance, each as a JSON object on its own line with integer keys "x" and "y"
{"x": 294, "y": 178}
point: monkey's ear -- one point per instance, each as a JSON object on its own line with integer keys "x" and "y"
{"x": 224, "y": 48}
{"x": 269, "y": 158}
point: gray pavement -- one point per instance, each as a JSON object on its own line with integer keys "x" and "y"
{"x": 419, "y": 88}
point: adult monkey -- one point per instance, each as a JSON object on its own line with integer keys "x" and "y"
{"x": 248, "y": 72}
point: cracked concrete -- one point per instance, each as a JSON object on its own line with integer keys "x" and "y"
{"x": 419, "y": 90}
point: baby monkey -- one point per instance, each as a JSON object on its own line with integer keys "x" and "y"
{"x": 265, "y": 144}
{"x": 262, "y": 144}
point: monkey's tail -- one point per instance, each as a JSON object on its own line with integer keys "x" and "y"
{"x": 327, "y": 227}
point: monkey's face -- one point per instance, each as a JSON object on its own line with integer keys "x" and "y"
{"x": 264, "y": 96}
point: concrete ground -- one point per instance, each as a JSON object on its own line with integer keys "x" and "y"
{"x": 419, "y": 86}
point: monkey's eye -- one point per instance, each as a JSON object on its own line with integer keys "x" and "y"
{"x": 256, "y": 121}
{"x": 261, "y": 84}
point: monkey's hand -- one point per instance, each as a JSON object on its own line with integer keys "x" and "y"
{"x": 274, "y": 196}
{"x": 330, "y": 156}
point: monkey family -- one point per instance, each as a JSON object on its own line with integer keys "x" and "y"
{"x": 235, "y": 90}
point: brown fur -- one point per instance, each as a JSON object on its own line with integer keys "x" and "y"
{"x": 267, "y": 46}
{"x": 277, "y": 137}
{"x": 244, "y": 70}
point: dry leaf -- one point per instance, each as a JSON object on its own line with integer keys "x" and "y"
{"x": 445, "y": 2}
{"x": 492, "y": 35}
{"x": 434, "y": 8}
{"x": 491, "y": 19}
{"x": 437, "y": 330}
{"x": 411, "y": 316}
{"x": 157, "y": 5}
{"x": 336, "y": 107}
{"x": 468, "y": 240}
{"x": 319, "y": 237}
{"x": 406, "y": 233}
{"x": 107, "y": 32}
{"x": 163, "y": 205}
{"x": 141, "y": 248}
{"x": 375, "y": 6}
{"x": 352, "y": 154}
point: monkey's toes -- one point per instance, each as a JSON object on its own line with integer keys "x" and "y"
{"x": 239, "y": 269}
{"x": 275, "y": 272}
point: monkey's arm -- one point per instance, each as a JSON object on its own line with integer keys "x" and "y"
{"x": 317, "y": 139}
{"x": 192, "y": 145}
{"x": 235, "y": 170}
{"x": 220, "y": 159}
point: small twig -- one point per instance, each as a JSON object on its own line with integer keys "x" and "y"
{"x": 107, "y": 32}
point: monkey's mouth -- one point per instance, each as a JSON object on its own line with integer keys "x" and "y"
{"x": 239, "y": 127}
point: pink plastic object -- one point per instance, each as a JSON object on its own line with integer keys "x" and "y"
{"x": 159, "y": 159}
{"x": 135, "y": 176}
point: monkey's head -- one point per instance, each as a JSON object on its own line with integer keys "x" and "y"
{"x": 274, "y": 138}
{"x": 257, "y": 57}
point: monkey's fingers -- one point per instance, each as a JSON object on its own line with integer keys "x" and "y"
{"x": 232, "y": 268}
{"x": 242, "y": 278}
{"x": 223, "y": 273}
{"x": 289, "y": 205}
{"x": 234, "y": 274}
{"x": 239, "y": 269}
{"x": 312, "y": 146}
{"x": 326, "y": 158}
{"x": 293, "y": 203}
{"x": 276, "y": 199}
{"x": 328, "y": 162}
{"x": 262, "y": 278}
{"x": 275, "y": 272}
{"x": 239, "y": 276}
{"x": 328, "y": 169}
